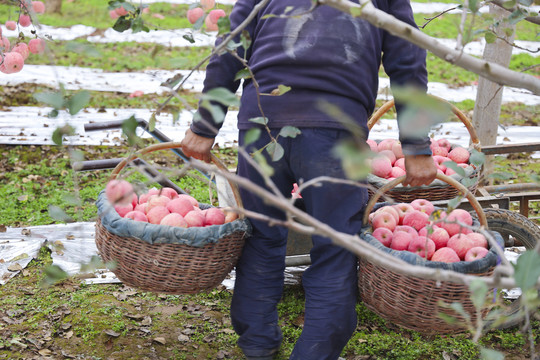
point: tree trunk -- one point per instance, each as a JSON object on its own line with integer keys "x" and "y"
{"x": 487, "y": 108}
{"x": 53, "y": 6}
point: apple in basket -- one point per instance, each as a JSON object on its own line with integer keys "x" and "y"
{"x": 415, "y": 231}
{"x": 119, "y": 192}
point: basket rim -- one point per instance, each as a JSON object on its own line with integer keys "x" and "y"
{"x": 163, "y": 234}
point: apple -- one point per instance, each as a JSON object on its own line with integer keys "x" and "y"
{"x": 475, "y": 253}
{"x": 440, "y": 237}
{"x": 169, "y": 192}
{"x": 136, "y": 215}
{"x": 446, "y": 255}
{"x": 180, "y": 206}
{"x": 156, "y": 200}
{"x": 144, "y": 197}
{"x": 450, "y": 224}
{"x": 416, "y": 219}
{"x": 156, "y": 214}
{"x": 174, "y": 219}
{"x": 123, "y": 209}
{"x": 390, "y": 209}
{"x": 119, "y": 192}
{"x": 478, "y": 240}
{"x": 460, "y": 243}
{"x": 384, "y": 219}
{"x": 401, "y": 240}
{"x": 384, "y": 235}
{"x": 407, "y": 229}
{"x": 423, "y": 205}
{"x": 403, "y": 209}
{"x": 193, "y": 201}
{"x": 214, "y": 216}
{"x": 194, "y": 218}
{"x": 230, "y": 214}
{"x": 422, "y": 245}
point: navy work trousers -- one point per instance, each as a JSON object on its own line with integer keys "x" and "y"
{"x": 330, "y": 283}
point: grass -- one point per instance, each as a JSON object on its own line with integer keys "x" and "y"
{"x": 98, "y": 321}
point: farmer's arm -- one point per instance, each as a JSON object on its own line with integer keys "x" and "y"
{"x": 405, "y": 64}
{"x": 220, "y": 72}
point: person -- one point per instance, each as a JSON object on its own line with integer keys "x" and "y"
{"x": 326, "y": 57}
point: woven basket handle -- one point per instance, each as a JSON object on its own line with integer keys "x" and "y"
{"x": 464, "y": 119}
{"x": 475, "y": 204}
{"x": 174, "y": 145}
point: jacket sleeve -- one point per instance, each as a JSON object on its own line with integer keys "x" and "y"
{"x": 405, "y": 64}
{"x": 221, "y": 72}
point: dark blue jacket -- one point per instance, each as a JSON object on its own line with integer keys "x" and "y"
{"x": 325, "y": 56}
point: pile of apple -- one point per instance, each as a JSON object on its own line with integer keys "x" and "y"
{"x": 163, "y": 207}
{"x": 389, "y": 162}
{"x": 407, "y": 227}
{"x": 13, "y": 56}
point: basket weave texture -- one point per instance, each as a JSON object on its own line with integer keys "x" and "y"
{"x": 412, "y": 302}
{"x": 168, "y": 259}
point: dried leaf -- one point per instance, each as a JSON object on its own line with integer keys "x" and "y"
{"x": 146, "y": 321}
{"x": 15, "y": 267}
{"x": 112, "y": 333}
{"x": 45, "y": 352}
{"x": 160, "y": 340}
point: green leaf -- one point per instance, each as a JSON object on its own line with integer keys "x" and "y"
{"x": 454, "y": 203}
{"x": 477, "y": 158}
{"x": 189, "y": 38}
{"x": 245, "y": 39}
{"x": 490, "y": 37}
{"x": 527, "y": 270}
{"x": 54, "y": 99}
{"x": 468, "y": 182}
{"x": 58, "y": 214}
{"x": 242, "y": 74}
{"x": 252, "y": 135}
{"x": 54, "y": 274}
{"x": 473, "y": 5}
{"x": 259, "y": 120}
{"x": 501, "y": 175}
{"x": 78, "y": 101}
{"x": 478, "y": 290}
{"x": 289, "y": 131}
{"x": 452, "y": 165}
{"x": 152, "y": 122}
{"x": 353, "y": 160}
{"x": 224, "y": 25}
{"x": 122, "y": 24}
{"x": 449, "y": 319}
{"x": 490, "y": 354}
{"x": 281, "y": 89}
{"x": 222, "y": 96}
{"x": 215, "y": 110}
{"x": 129, "y": 127}
{"x": 261, "y": 161}
{"x": 60, "y": 132}
{"x": 138, "y": 25}
{"x": 275, "y": 150}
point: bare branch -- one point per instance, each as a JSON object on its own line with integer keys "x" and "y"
{"x": 490, "y": 71}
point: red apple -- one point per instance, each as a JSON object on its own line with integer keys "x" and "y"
{"x": 401, "y": 240}
{"x": 180, "y": 205}
{"x": 123, "y": 209}
{"x": 440, "y": 237}
{"x": 174, "y": 219}
{"x": 194, "y": 218}
{"x": 214, "y": 216}
{"x": 420, "y": 245}
{"x": 478, "y": 240}
{"x": 119, "y": 192}
{"x": 384, "y": 219}
{"x": 136, "y": 215}
{"x": 460, "y": 243}
{"x": 416, "y": 219}
{"x": 403, "y": 209}
{"x": 423, "y": 205}
{"x": 446, "y": 255}
{"x": 384, "y": 235}
{"x": 475, "y": 253}
{"x": 450, "y": 224}
{"x": 156, "y": 214}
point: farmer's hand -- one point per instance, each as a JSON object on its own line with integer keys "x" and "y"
{"x": 421, "y": 170}
{"x": 197, "y": 146}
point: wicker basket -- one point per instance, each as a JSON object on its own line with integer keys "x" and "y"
{"x": 166, "y": 259}
{"x": 438, "y": 190}
{"x": 413, "y": 302}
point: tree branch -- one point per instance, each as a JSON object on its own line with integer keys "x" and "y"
{"x": 490, "y": 71}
